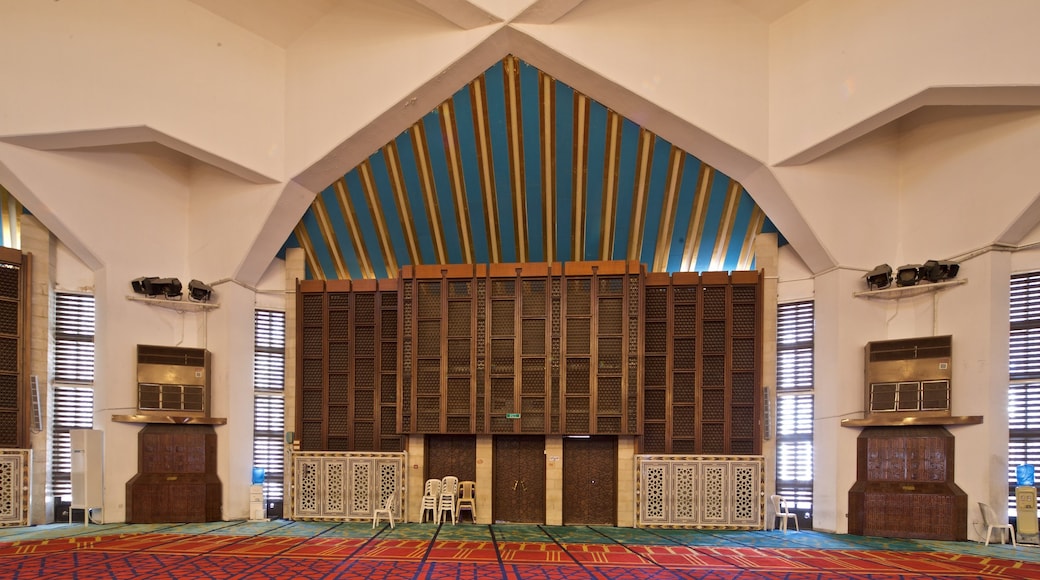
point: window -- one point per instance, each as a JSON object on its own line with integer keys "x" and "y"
{"x": 1024, "y": 377}
{"x": 73, "y": 382}
{"x": 269, "y": 401}
{"x": 794, "y": 404}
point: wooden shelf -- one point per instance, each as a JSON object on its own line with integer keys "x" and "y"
{"x": 897, "y": 292}
{"x": 169, "y": 419}
{"x": 911, "y": 421}
{"x": 179, "y": 304}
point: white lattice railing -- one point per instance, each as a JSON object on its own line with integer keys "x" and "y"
{"x": 14, "y": 486}
{"x": 718, "y": 491}
{"x": 330, "y": 485}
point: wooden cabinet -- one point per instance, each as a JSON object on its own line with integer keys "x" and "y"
{"x": 904, "y": 485}
{"x": 176, "y": 477}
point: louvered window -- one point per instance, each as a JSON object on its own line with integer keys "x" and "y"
{"x": 794, "y": 404}
{"x": 1024, "y": 377}
{"x": 269, "y": 402}
{"x": 73, "y": 382}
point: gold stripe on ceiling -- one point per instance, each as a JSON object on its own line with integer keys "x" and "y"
{"x": 404, "y": 207}
{"x": 417, "y": 136}
{"x": 548, "y": 106}
{"x": 581, "y": 160}
{"x": 726, "y": 225}
{"x": 429, "y": 201}
{"x": 308, "y": 252}
{"x": 458, "y": 184}
{"x": 516, "y": 157}
{"x": 747, "y": 249}
{"x": 11, "y": 214}
{"x": 637, "y": 221}
{"x": 478, "y": 100}
{"x": 346, "y": 207}
{"x": 321, "y": 215}
{"x": 375, "y": 209}
{"x": 698, "y": 214}
{"x": 676, "y": 163}
{"x": 608, "y": 217}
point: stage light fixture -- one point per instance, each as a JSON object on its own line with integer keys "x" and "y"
{"x": 138, "y": 284}
{"x": 936, "y": 270}
{"x": 880, "y": 277}
{"x": 199, "y": 292}
{"x": 168, "y": 287}
{"x": 907, "y": 275}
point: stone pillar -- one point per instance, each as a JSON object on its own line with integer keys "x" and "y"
{"x": 37, "y": 240}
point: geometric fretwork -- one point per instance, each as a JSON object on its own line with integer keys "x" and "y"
{"x": 14, "y": 487}
{"x": 345, "y": 486}
{"x": 717, "y": 492}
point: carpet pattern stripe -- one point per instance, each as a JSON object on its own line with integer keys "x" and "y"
{"x": 327, "y": 550}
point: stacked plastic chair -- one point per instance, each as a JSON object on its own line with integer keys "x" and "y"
{"x": 449, "y": 493}
{"x": 431, "y": 500}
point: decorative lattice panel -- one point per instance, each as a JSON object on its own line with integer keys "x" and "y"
{"x": 718, "y": 492}
{"x": 14, "y": 487}
{"x": 346, "y": 486}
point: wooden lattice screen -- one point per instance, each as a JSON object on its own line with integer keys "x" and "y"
{"x": 564, "y": 348}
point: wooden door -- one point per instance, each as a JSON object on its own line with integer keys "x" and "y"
{"x": 518, "y": 481}
{"x": 451, "y": 455}
{"x": 590, "y": 481}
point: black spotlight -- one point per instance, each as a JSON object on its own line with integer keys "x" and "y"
{"x": 907, "y": 275}
{"x": 169, "y": 287}
{"x": 936, "y": 270}
{"x": 139, "y": 284}
{"x": 198, "y": 291}
{"x": 879, "y": 277}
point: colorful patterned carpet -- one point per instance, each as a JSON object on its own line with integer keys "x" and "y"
{"x": 305, "y": 550}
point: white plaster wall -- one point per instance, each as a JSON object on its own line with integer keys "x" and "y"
{"x": 361, "y": 64}
{"x": 851, "y": 199}
{"x": 678, "y": 66}
{"x": 833, "y": 64}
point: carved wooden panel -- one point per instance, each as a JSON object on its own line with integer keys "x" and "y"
{"x": 518, "y": 480}
{"x": 451, "y": 455}
{"x": 14, "y": 487}
{"x": 723, "y": 492}
{"x": 348, "y": 336}
{"x": 15, "y": 406}
{"x": 590, "y": 481}
{"x": 345, "y": 486}
{"x": 702, "y": 363}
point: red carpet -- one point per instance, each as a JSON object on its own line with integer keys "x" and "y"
{"x": 312, "y": 550}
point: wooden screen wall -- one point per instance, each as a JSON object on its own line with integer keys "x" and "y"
{"x": 563, "y": 348}
{"x": 15, "y": 399}
{"x": 349, "y": 344}
{"x": 702, "y": 363}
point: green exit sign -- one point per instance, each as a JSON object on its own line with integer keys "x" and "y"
{"x": 512, "y": 415}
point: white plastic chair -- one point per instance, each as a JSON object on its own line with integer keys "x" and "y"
{"x": 782, "y": 512}
{"x": 989, "y": 519}
{"x": 430, "y": 500}
{"x": 449, "y": 493}
{"x": 467, "y": 501}
{"x": 387, "y": 510}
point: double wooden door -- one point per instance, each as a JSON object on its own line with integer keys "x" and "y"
{"x": 590, "y": 481}
{"x": 519, "y": 479}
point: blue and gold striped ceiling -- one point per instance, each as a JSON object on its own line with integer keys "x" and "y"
{"x": 519, "y": 167}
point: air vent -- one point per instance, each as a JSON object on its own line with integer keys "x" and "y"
{"x": 173, "y": 381}
{"x": 909, "y": 377}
